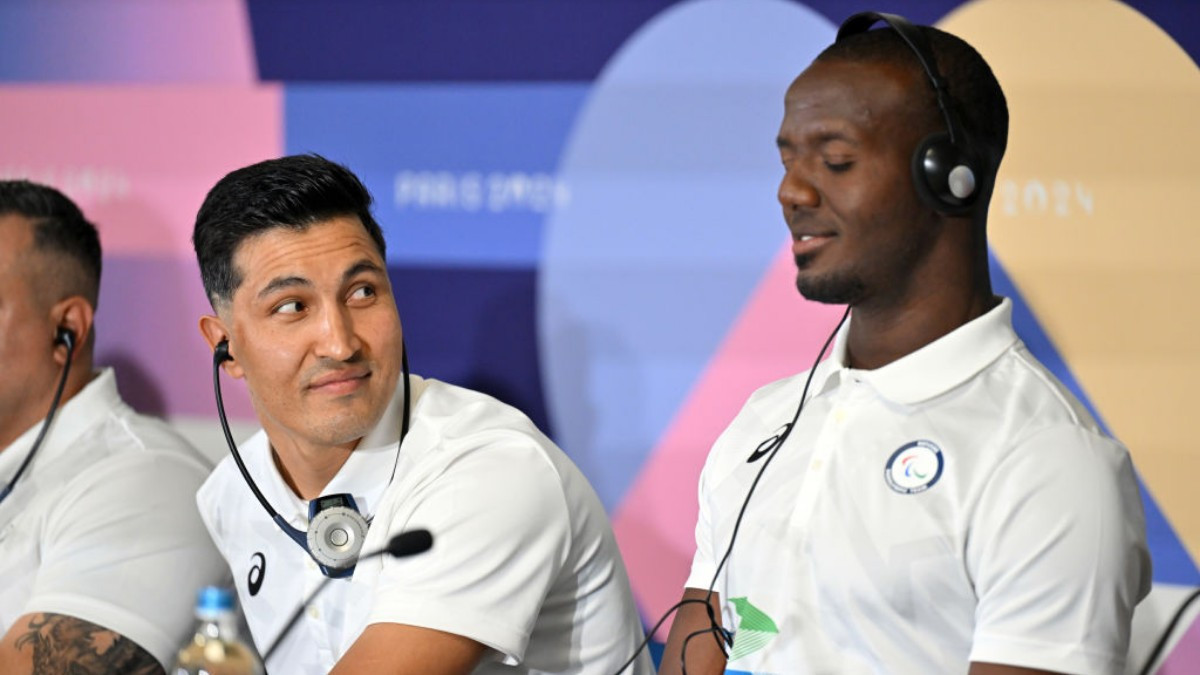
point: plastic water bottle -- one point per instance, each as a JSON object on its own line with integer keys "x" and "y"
{"x": 215, "y": 648}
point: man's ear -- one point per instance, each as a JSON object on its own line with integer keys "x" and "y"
{"x": 74, "y": 314}
{"x": 212, "y": 328}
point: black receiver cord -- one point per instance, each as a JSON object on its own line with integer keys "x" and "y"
{"x": 221, "y": 355}
{"x": 774, "y": 443}
{"x": 65, "y": 337}
{"x": 1166, "y": 636}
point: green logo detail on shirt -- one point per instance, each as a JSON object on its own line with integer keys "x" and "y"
{"x": 754, "y": 630}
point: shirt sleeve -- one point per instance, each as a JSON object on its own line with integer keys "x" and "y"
{"x": 502, "y": 535}
{"x": 1058, "y": 554}
{"x": 125, "y": 549}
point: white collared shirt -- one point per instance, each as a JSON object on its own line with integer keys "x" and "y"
{"x": 956, "y": 505}
{"x": 102, "y": 525}
{"x": 523, "y": 560}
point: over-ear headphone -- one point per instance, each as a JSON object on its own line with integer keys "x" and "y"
{"x": 944, "y": 169}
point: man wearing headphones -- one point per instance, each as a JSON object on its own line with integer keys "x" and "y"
{"x": 524, "y": 574}
{"x": 101, "y": 547}
{"x": 940, "y": 503}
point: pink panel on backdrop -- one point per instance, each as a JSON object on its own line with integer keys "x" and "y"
{"x": 138, "y": 161}
{"x": 778, "y": 334}
{"x": 1185, "y": 657}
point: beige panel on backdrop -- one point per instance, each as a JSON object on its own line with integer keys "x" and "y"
{"x": 1092, "y": 216}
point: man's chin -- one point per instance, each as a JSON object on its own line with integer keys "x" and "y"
{"x": 345, "y": 428}
{"x": 829, "y": 289}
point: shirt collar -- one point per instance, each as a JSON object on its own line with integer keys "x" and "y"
{"x": 933, "y": 369}
{"x": 365, "y": 475}
{"x": 91, "y": 404}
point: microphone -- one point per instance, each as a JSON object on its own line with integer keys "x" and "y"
{"x": 410, "y": 542}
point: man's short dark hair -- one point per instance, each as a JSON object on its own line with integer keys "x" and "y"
{"x": 59, "y": 229}
{"x": 293, "y": 192}
{"x": 974, "y": 93}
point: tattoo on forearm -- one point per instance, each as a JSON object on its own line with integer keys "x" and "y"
{"x": 64, "y": 644}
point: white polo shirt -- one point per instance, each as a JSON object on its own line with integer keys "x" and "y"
{"x": 523, "y": 559}
{"x": 102, "y": 525}
{"x": 956, "y": 505}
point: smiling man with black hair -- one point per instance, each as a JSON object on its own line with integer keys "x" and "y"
{"x": 524, "y": 574}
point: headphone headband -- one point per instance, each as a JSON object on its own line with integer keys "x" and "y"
{"x": 944, "y": 166}
{"x": 915, "y": 39}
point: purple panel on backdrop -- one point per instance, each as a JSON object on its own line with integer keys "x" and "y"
{"x": 146, "y": 328}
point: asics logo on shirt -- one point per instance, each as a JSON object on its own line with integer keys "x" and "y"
{"x": 257, "y": 571}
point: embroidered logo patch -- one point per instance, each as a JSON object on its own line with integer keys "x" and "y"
{"x": 754, "y": 630}
{"x": 914, "y": 468}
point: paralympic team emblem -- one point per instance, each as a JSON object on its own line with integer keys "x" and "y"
{"x": 914, "y": 468}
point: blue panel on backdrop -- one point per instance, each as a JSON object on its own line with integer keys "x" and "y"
{"x": 461, "y": 174}
{"x": 672, "y": 169}
{"x": 474, "y": 328}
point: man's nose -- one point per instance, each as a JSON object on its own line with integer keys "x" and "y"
{"x": 339, "y": 340}
{"x": 796, "y": 192}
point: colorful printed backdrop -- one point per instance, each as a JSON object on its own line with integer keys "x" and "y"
{"x": 579, "y": 200}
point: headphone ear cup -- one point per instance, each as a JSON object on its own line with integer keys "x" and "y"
{"x": 945, "y": 177}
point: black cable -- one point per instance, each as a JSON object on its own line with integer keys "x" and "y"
{"x": 683, "y": 652}
{"x": 649, "y": 635}
{"x": 220, "y": 355}
{"x": 777, "y": 444}
{"x": 37, "y": 442}
{"x": 1166, "y": 635}
{"x": 720, "y": 634}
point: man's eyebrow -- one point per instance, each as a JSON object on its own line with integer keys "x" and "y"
{"x": 279, "y": 283}
{"x": 818, "y": 138}
{"x": 828, "y": 135}
{"x": 361, "y": 266}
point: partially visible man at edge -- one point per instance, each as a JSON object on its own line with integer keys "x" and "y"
{"x": 524, "y": 575}
{"x": 101, "y": 547}
{"x": 943, "y": 504}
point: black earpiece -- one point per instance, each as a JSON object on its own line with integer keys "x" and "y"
{"x": 221, "y": 352}
{"x": 944, "y": 169}
{"x": 66, "y": 337}
{"x": 62, "y": 336}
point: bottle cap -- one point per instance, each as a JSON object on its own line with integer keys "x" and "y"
{"x": 213, "y": 600}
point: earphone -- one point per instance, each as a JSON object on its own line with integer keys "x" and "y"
{"x": 944, "y": 169}
{"x": 336, "y": 528}
{"x": 63, "y": 337}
